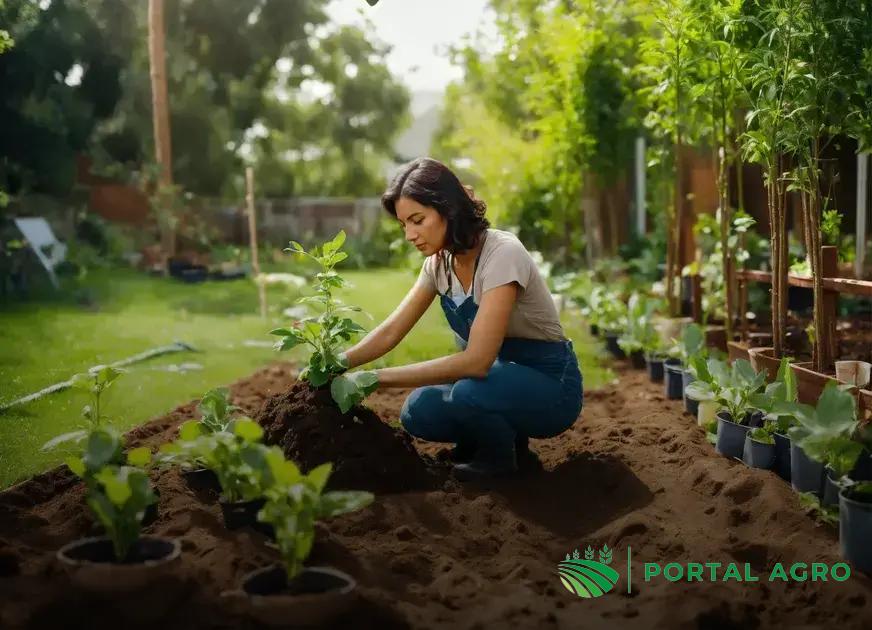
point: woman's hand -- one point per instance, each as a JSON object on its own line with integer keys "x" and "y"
{"x": 485, "y": 339}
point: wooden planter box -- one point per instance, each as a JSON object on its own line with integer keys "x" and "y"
{"x": 810, "y": 384}
{"x": 865, "y": 406}
{"x": 716, "y": 337}
{"x": 737, "y": 350}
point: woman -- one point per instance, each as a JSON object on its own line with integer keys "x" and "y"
{"x": 516, "y": 375}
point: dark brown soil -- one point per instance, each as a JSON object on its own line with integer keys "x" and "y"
{"x": 366, "y": 453}
{"x": 634, "y": 472}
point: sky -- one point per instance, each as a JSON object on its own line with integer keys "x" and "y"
{"x": 419, "y": 31}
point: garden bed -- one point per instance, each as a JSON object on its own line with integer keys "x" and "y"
{"x": 635, "y": 471}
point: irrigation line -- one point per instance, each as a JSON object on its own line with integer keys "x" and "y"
{"x": 177, "y": 346}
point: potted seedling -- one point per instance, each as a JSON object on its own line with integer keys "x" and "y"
{"x": 704, "y": 389}
{"x": 94, "y": 383}
{"x": 215, "y": 417}
{"x": 855, "y": 524}
{"x": 691, "y": 344}
{"x": 236, "y": 457}
{"x": 772, "y": 402}
{"x": 326, "y": 332}
{"x": 638, "y": 333}
{"x": 290, "y": 591}
{"x": 732, "y": 389}
{"x": 118, "y": 495}
{"x": 825, "y": 435}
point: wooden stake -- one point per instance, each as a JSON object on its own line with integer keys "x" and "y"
{"x": 252, "y": 237}
{"x": 160, "y": 111}
{"x": 829, "y": 269}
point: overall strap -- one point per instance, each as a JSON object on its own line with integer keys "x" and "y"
{"x": 474, "y": 269}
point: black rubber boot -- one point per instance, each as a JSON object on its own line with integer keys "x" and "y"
{"x": 461, "y": 453}
{"x": 527, "y": 460}
{"x": 486, "y": 465}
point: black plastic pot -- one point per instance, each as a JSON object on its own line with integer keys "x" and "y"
{"x": 855, "y": 529}
{"x": 655, "y": 369}
{"x": 806, "y": 475}
{"x": 862, "y": 470}
{"x": 612, "y": 345}
{"x": 202, "y": 479}
{"x": 240, "y": 513}
{"x": 91, "y": 565}
{"x": 594, "y": 330}
{"x": 782, "y": 456}
{"x": 638, "y": 359}
{"x": 673, "y": 386}
{"x": 831, "y": 488}
{"x": 151, "y": 512}
{"x": 244, "y": 514}
{"x": 758, "y": 454}
{"x": 731, "y": 436}
{"x": 315, "y": 598}
{"x": 691, "y": 406}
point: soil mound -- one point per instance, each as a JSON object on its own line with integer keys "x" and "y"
{"x": 367, "y": 453}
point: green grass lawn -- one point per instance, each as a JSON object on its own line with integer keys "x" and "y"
{"x": 125, "y": 312}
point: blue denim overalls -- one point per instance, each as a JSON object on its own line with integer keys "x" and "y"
{"x": 533, "y": 389}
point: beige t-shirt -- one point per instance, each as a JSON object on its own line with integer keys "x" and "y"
{"x": 504, "y": 259}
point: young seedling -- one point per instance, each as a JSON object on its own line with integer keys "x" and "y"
{"x": 328, "y": 331}
{"x": 215, "y": 410}
{"x": 118, "y": 495}
{"x": 732, "y": 388}
{"x": 94, "y": 382}
{"x": 236, "y": 456}
{"x": 296, "y": 501}
{"x": 639, "y": 334}
{"x": 826, "y": 432}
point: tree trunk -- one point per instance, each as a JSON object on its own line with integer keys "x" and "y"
{"x": 160, "y": 114}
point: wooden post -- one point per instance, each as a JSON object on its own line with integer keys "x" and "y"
{"x": 252, "y": 237}
{"x": 160, "y": 112}
{"x": 829, "y": 269}
{"x": 696, "y": 298}
{"x": 743, "y": 307}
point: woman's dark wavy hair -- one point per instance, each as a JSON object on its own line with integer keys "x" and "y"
{"x": 431, "y": 183}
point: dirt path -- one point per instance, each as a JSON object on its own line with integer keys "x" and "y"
{"x": 633, "y": 472}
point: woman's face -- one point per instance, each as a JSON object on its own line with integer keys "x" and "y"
{"x": 425, "y": 228}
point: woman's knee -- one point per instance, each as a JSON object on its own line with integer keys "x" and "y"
{"x": 421, "y": 409}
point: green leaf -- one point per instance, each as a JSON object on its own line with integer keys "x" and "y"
{"x": 319, "y": 475}
{"x": 334, "y": 245}
{"x": 76, "y": 465}
{"x": 342, "y": 502}
{"x": 102, "y": 448}
{"x": 699, "y": 390}
{"x": 282, "y": 332}
{"x": 115, "y": 484}
{"x": 190, "y": 430}
{"x": 139, "y": 457}
{"x": 248, "y": 430}
{"x": 345, "y": 392}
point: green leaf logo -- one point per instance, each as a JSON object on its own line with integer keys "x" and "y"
{"x": 588, "y": 578}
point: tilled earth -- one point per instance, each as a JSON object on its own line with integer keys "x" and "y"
{"x": 634, "y": 472}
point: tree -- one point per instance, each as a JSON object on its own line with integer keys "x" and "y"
{"x": 160, "y": 115}
{"x": 59, "y": 81}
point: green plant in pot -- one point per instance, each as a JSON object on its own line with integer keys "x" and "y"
{"x": 638, "y": 333}
{"x": 732, "y": 389}
{"x": 216, "y": 412}
{"x": 855, "y": 524}
{"x": 236, "y": 457}
{"x": 773, "y": 402}
{"x": 827, "y": 435}
{"x": 118, "y": 496}
{"x": 294, "y": 503}
{"x": 326, "y": 332}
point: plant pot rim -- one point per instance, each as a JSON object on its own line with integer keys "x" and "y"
{"x": 350, "y": 582}
{"x": 64, "y": 558}
{"x": 844, "y": 493}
